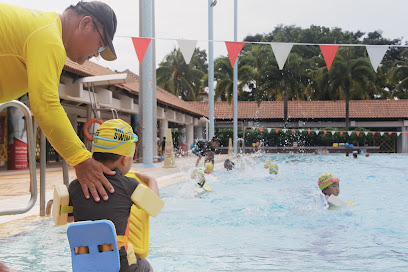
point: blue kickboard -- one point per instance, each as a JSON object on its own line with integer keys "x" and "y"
{"x": 92, "y": 234}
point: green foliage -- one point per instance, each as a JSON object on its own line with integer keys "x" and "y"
{"x": 303, "y": 138}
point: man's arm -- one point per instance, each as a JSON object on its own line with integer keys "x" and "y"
{"x": 45, "y": 60}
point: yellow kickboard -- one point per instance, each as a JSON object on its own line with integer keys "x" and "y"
{"x": 61, "y": 198}
{"x": 139, "y": 231}
{"x": 146, "y": 199}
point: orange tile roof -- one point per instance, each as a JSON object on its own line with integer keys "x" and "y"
{"x": 310, "y": 109}
{"x": 163, "y": 97}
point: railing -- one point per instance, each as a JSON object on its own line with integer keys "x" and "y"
{"x": 31, "y": 156}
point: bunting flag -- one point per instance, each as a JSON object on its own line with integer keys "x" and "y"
{"x": 261, "y": 129}
{"x": 281, "y": 51}
{"x": 293, "y": 131}
{"x": 374, "y": 133}
{"x": 187, "y": 49}
{"x": 317, "y": 132}
{"x": 269, "y": 130}
{"x": 333, "y": 132}
{"x": 365, "y": 132}
{"x": 389, "y": 133}
{"x": 234, "y": 48}
{"x": 381, "y": 133}
{"x": 308, "y": 131}
{"x": 341, "y": 132}
{"x": 329, "y": 52}
{"x": 284, "y": 130}
{"x": 349, "y": 132}
{"x": 276, "y": 130}
{"x": 358, "y": 133}
{"x": 398, "y": 134}
{"x": 324, "y": 132}
{"x": 141, "y": 45}
{"x": 245, "y": 128}
{"x": 300, "y": 130}
{"x": 406, "y": 133}
{"x": 376, "y": 54}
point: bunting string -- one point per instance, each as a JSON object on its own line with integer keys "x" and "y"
{"x": 281, "y": 50}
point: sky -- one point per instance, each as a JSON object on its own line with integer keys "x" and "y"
{"x": 188, "y": 19}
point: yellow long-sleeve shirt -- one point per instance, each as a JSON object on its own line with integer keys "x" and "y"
{"x": 32, "y": 57}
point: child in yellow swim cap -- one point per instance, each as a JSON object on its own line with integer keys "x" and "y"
{"x": 273, "y": 168}
{"x": 114, "y": 145}
{"x": 267, "y": 164}
{"x": 329, "y": 184}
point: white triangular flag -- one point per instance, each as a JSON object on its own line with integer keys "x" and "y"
{"x": 187, "y": 49}
{"x": 365, "y": 132}
{"x": 300, "y": 130}
{"x": 281, "y": 51}
{"x": 381, "y": 133}
{"x": 376, "y": 54}
{"x": 332, "y": 132}
{"x": 317, "y": 131}
{"x": 349, "y": 132}
{"x": 398, "y": 134}
{"x": 269, "y": 129}
{"x": 284, "y": 130}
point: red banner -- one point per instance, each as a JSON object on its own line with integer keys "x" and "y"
{"x": 17, "y": 155}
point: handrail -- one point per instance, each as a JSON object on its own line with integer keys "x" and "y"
{"x": 31, "y": 155}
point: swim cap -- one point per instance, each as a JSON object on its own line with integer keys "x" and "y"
{"x": 326, "y": 179}
{"x": 115, "y": 136}
{"x": 273, "y": 168}
{"x": 267, "y": 163}
{"x": 208, "y": 167}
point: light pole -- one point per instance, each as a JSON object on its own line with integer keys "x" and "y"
{"x": 235, "y": 84}
{"x": 211, "y": 4}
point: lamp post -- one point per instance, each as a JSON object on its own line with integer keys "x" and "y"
{"x": 211, "y": 4}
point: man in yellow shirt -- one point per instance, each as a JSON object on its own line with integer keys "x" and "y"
{"x": 33, "y": 49}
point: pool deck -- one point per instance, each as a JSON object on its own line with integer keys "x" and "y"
{"x": 15, "y": 191}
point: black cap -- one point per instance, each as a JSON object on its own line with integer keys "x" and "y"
{"x": 106, "y": 16}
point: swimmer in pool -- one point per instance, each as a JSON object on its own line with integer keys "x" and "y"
{"x": 329, "y": 184}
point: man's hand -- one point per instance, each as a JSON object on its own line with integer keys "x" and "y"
{"x": 90, "y": 176}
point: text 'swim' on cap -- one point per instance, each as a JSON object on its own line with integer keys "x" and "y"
{"x": 106, "y": 16}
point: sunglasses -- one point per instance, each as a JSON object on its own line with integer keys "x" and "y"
{"x": 102, "y": 48}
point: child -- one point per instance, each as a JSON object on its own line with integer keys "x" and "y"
{"x": 329, "y": 184}
{"x": 228, "y": 164}
{"x": 273, "y": 168}
{"x": 267, "y": 164}
{"x": 114, "y": 145}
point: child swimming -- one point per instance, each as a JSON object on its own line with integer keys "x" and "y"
{"x": 329, "y": 184}
{"x": 273, "y": 168}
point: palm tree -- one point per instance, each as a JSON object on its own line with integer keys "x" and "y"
{"x": 178, "y": 78}
{"x": 398, "y": 75}
{"x": 352, "y": 80}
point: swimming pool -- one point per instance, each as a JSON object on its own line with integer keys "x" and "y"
{"x": 251, "y": 222}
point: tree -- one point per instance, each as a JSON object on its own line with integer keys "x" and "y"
{"x": 398, "y": 76}
{"x": 180, "y": 79}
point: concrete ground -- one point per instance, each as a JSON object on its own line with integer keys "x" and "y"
{"x": 15, "y": 188}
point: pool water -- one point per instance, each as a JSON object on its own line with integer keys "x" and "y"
{"x": 253, "y": 221}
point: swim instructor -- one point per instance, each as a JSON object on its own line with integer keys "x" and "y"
{"x": 33, "y": 49}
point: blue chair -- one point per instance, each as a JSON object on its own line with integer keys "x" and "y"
{"x": 93, "y": 246}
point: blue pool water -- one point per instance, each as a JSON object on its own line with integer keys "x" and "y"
{"x": 252, "y": 222}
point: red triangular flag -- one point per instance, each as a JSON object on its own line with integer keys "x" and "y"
{"x": 293, "y": 131}
{"x": 389, "y": 133}
{"x": 406, "y": 133}
{"x": 277, "y": 130}
{"x": 329, "y": 52}
{"x": 141, "y": 45}
{"x": 373, "y": 133}
{"x": 341, "y": 132}
{"x": 245, "y": 128}
{"x": 308, "y": 131}
{"x": 358, "y": 133}
{"x": 234, "y": 48}
{"x": 325, "y": 132}
{"x": 261, "y": 129}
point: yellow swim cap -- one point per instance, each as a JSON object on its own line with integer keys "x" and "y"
{"x": 273, "y": 168}
{"x": 326, "y": 179}
{"x": 208, "y": 167}
{"x": 267, "y": 163}
{"x": 115, "y": 136}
